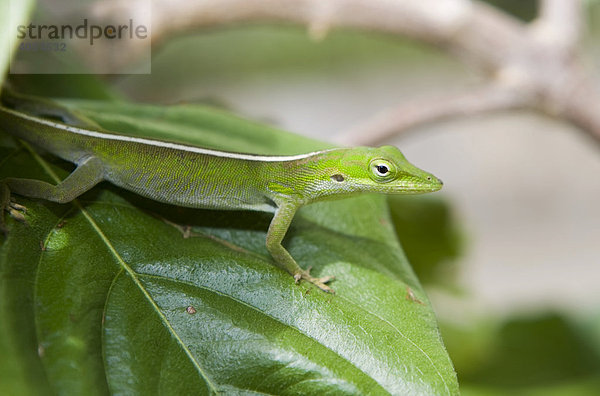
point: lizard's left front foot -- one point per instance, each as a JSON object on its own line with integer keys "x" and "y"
{"x": 319, "y": 282}
{"x": 15, "y": 211}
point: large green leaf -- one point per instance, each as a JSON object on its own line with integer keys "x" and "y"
{"x": 20, "y": 368}
{"x": 120, "y": 301}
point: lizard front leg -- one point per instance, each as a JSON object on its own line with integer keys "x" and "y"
{"x": 84, "y": 177}
{"x": 277, "y": 230}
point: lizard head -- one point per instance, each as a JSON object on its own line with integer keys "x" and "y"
{"x": 383, "y": 169}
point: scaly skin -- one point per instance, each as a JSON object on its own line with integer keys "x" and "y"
{"x": 201, "y": 178}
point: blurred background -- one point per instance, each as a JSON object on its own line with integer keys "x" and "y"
{"x": 515, "y": 275}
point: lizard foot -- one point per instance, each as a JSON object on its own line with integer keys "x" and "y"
{"x": 319, "y": 282}
{"x": 15, "y": 211}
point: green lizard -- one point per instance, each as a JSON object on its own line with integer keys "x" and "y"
{"x": 197, "y": 177}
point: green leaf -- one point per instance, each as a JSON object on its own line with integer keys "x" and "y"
{"x": 542, "y": 353}
{"x": 123, "y": 303}
{"x": 518, "y": 354}
{"x": 20, "y": 370}
{"x": 87, "y": 86}
{"x": 429, "y": 235}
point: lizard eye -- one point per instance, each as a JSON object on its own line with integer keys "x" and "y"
{"x": 382, "y": 170}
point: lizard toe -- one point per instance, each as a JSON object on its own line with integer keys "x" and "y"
{"x": 319, "y": 282}
{"x": 17, "y": 206}
{"x": 17, "y": 211}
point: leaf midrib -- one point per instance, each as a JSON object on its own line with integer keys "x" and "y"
{"x": 274, "y": 318}
{"x": 128, "y": 269}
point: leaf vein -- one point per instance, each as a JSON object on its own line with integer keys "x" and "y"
{"x": 296, "y": 329}
{"x": 405, "y": 337}
{"x": 128, "y": 269}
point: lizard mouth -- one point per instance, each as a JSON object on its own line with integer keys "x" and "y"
{"x": 418, "y": 187}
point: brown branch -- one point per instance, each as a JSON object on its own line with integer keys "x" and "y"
{"x": 541, "y": 71}
{"x": 560, "y": 22}
{"x": 537, "y": 61}
{"x": 581, "y": 109}
{"x": 406, "y": 116}
{"x": 469, "y": 28}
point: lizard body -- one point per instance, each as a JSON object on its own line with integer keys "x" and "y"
{"x": 197, "y": 177}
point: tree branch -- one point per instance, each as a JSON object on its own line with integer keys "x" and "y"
{"x": 532, "y": 66}
{"x": 560, "y": 22}
{"x": 402, "y": 118}
{"x": 581, "y": 109}
{"x": 469, "y": 28}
